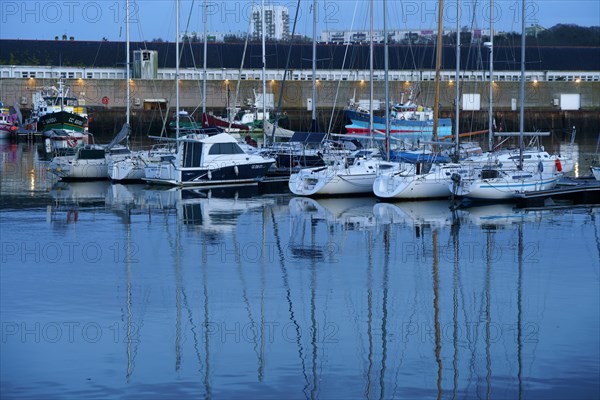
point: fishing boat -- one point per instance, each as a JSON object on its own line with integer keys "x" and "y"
{"x": 409, "y": 122}
{"x": 8, "y": 123}
{"x": 54, "y": 109}
{"x": 60, "y": 118}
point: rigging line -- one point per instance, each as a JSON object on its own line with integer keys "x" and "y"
{"x": 247, "y": 303}
{"x": 239, "y": 82}
{"x": 477, "y": 57}
{"x": 285, "y": 73}
{"x": 329, "y": 128}
{"x": 192, "y": 50}
{"x": 286, "y": 285}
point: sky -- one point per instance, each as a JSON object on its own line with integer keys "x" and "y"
{"x": 151, "y": 19}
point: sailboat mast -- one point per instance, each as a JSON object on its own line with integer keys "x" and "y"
{"x": 490, "y": 118}
{"x": 264, "y": 70}
{"x": 386, "y": 81}
{"x": 457, "y": 79}
{"x": 127, "y": 61}
{"x": 204, "y": 63}
{"x": 314, "y": 70}
{"x": 522, "y": 88}
{"x": 438, "y": 60}
{"x": 371, "y": 73}
{"x": 177, "y": 69}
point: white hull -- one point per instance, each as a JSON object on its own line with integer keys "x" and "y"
{"x": 531, "y": 160}
{"x": 405, "y": 184}
{"x": 126, "y": 169}
{"x": 85, "y": 164}
{"x": 503, "y": 188}
{"x": 337, "y": 179}
{"x": 67, "y": 167}
{"x": 596, "y": 173}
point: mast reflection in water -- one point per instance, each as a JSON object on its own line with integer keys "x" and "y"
{"x": 125, "y": 290}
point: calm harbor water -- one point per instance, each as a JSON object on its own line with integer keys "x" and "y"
{"x": 130, "y": 291}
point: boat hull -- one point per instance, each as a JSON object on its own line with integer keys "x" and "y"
{"x": 400, "y": 128}
{"x": 405, "y": 184}
{"x": 337, "y": 179}
{"x": 596, "y": 173}
{"x": 128, "y": 169}
{"x": 211, "y": 120}
{"x": 61, "y": 120}
{"x": 502, "y": 188}
{"x": 168, "y": 174}
{"x": 66, "y": 167}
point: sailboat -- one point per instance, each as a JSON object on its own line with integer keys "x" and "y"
{"x": 501, "y": 182}
{"x": 421, "y": 179}
{"x": 90, "y": 161}
{"x": 342, "y": 177}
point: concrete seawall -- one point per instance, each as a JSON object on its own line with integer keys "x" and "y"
{"x": 542, "y": 110}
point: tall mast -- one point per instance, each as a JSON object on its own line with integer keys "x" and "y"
{"x": 127, "y": 61}
{"x": 204, "y": 63}
{"x": 314, "y": 70}
{"x": 457, "y": 79}
{"x": 490, "y": 118}
{"x": 438, "y": 60}
{"x": 522, "y": 88}
{"x": 264, "y": 70}
{"x": 386, "y": 81}
{"x": 177, "y": 69}
{"x": 371, "y": 72}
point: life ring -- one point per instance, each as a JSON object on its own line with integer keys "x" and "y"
{"x": 558, "y": 165}
{"x": 72, "y": 142}
{"x": 402, "y": 117}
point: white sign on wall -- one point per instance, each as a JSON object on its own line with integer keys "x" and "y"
{"x": 570, "y": 101}
{"x": 471, "y": 101}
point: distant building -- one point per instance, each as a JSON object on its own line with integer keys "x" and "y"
{"x": 534, "y": 30}
{"x": 413, "y": 36}
{"x": 220, "y": 37}
{"x": 277, "y": 23}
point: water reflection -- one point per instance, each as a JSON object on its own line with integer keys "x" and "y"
{"x": 228, "y": 293}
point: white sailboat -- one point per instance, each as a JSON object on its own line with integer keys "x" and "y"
{"x": 342, "y": 177}
{"x": 90, "y": 161}
{"x": 420, "y": 180}
{"x": 502, "y": 182}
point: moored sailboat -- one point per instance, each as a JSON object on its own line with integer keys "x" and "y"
{"x": 502, "y": 182}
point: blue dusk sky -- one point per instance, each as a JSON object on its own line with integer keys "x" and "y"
{"x": 94, "y": 20}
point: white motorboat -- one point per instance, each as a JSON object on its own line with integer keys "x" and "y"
{"x": 213, "y": 160}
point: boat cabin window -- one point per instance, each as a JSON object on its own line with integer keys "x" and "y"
{"x": 91, "y": 154}
{"x": 225, "y": 148}
{"x": 192, "y": 154}
{"x": 490, "y": 174}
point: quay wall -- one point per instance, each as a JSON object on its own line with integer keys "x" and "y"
{"x": 542, "y": 100}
